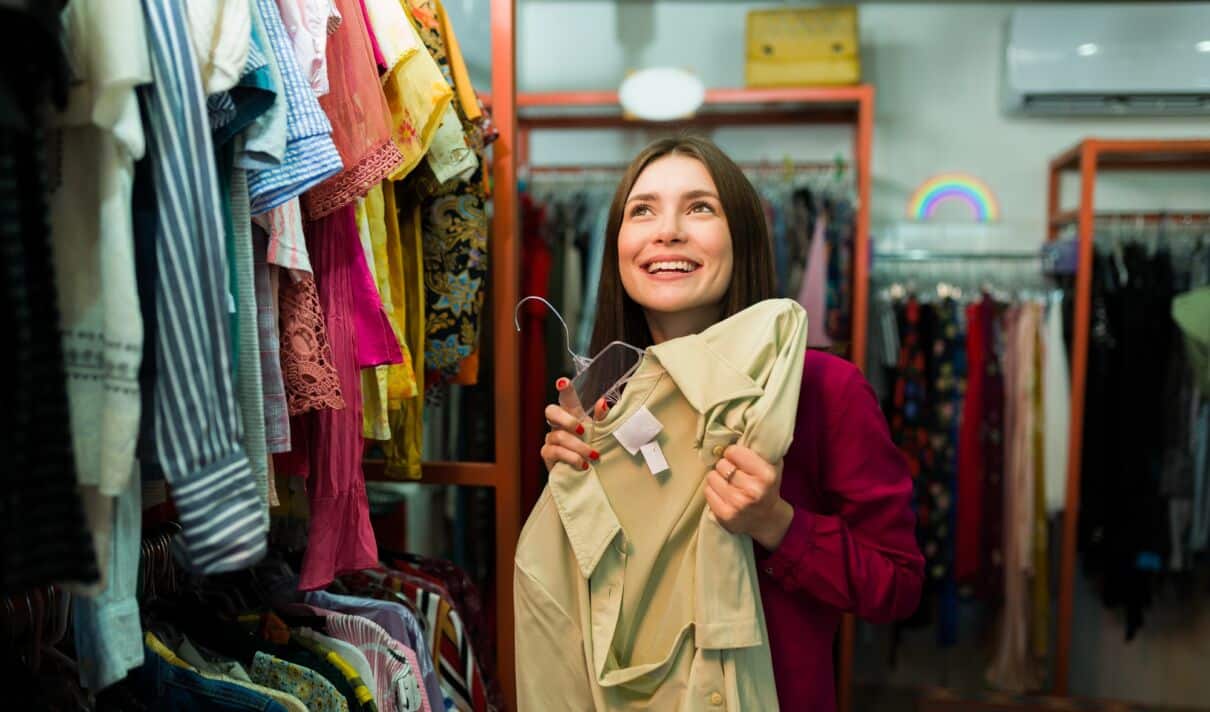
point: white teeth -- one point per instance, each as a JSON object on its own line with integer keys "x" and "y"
{"x": 671, "y": 266}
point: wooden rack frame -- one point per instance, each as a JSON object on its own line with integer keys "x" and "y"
{"x": 503, "y": 473}
{"x": 1089, "y": 157}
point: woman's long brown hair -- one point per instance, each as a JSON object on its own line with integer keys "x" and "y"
{"x": 620, "y": 318}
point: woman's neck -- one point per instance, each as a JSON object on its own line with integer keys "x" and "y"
{"x": 673, "y": 325}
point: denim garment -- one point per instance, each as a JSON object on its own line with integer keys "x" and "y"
{"x": 109, "y": 639}
{"x": 166, "y": 686}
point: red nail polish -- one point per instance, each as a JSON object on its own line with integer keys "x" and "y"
{"x": 595, "y": 455}
{"x": 585, "y": 466}
{"x": 561, "y": 383}
{"x": 580, "y": 429}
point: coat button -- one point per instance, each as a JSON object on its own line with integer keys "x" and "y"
{"x": 718, "y": 451}
{"x": 716, "y": 699}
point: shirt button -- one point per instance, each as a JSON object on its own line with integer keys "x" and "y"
{"x": 718, "y": 450}
{"x": 769, "y": 570}
{"x": 716, "y": 699}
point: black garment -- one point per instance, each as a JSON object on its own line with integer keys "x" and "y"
{"x": 1124, "y": 532}
{"x": 43, "y": 538}
{"x": 143, "y": 212}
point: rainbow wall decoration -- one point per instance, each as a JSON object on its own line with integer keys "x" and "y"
{"x": 954, "y": 186}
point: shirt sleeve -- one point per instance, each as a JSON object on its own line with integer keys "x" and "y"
{"x": 863, "y": 559}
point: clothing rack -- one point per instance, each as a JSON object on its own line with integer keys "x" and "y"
{"x": 1089, "y": 158}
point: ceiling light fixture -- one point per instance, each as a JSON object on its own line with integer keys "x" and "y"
{"x": 661, "y": 94}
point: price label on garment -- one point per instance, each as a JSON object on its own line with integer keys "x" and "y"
{"x": 638, "y": 430}
{"x": 654, "y": 457}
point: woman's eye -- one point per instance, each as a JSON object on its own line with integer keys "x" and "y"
{"x": 638, "y": 210}
{"x": 701, "y": 207}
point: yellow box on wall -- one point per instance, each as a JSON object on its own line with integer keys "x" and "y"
{"x": 803, "y": 47}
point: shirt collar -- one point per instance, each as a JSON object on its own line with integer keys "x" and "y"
{"x": 587, "y": 516}
{"x": 702, "y": 372}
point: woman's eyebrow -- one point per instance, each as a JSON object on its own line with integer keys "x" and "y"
{"x": 652, "y": 197}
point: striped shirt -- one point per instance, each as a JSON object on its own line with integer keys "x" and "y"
{"x": 197, "y": 424}
{"x": 396, "y": 667}
{"x": 311, "y": 157}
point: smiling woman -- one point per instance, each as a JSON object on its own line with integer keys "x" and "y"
{"x": 686, "y": 247}
{"x": 682, "y": 200}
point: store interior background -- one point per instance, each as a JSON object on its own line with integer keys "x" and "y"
{"x": 936, "y": 68}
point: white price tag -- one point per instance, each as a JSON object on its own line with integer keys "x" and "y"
{"x": 654, "y": 457}
{"x": 638, "y": 430}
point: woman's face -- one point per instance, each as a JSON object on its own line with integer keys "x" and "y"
{"x": 674, "y": 246}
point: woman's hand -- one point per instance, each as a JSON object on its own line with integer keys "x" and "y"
{"x": 564, "y": 442}
{"x": 744, "y": 492}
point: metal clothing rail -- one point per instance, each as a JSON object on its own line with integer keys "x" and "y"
{"x": 945, "y": 256}
{"x": 1089, "y": 158}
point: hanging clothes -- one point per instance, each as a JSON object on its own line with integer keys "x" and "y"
{"x": 197, "y": 437}
{"x": 99, "y": 139}
{"x": 328, "y": 443}
{"x": 310, "y": 153}
{"x": 970, "y": 454}
{"x": 813, "y": 295}
{"x": 1011, "y": 667}
{"x": 403, "y": 452}
{"x": 414, "y": 88}
{"x": 947, "y": 382}
{"x": 455, "y": 226}
{"x": 360, "y": 117}
{"x": 840, "y": 235}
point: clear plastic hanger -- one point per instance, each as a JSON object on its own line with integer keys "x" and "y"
{"x": 599, "y": 378}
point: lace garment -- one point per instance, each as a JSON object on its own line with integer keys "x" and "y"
{"x": 306, "y": 359}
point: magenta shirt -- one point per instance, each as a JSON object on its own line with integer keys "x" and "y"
{"x": 851, "y": 547}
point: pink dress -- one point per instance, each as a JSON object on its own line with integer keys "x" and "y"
{"x": 813, "y": 296}
{"x": 340, "y": 538}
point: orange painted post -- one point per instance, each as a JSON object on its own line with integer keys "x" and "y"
{"x": 862, "y": 142}
{"x": 505, "y": 255}
{"x": 1088, "y": 158}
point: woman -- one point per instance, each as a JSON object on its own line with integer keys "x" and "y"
{"x": 686, "y": 246}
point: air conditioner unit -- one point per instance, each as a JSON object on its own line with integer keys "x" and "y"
{"x": 1128, "y": 60}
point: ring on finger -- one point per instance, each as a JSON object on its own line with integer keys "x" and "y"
{"x": 728, "y": 475}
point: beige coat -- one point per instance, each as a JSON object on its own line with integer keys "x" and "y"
{"x": 629, "y": 595}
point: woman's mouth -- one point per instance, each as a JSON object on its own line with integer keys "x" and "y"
{"x": 670, "y": 268}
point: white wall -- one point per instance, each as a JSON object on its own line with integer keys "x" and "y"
{"x": 936, "y": 67}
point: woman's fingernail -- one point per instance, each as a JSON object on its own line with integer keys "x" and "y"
{"x": 561, "y": 383}
{"x": 585, "y": 466}
{"x": 580, "y": 429}
{"x": 595, "y": 455}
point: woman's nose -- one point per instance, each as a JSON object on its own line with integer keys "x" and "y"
{"x": 669, "y": 231}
